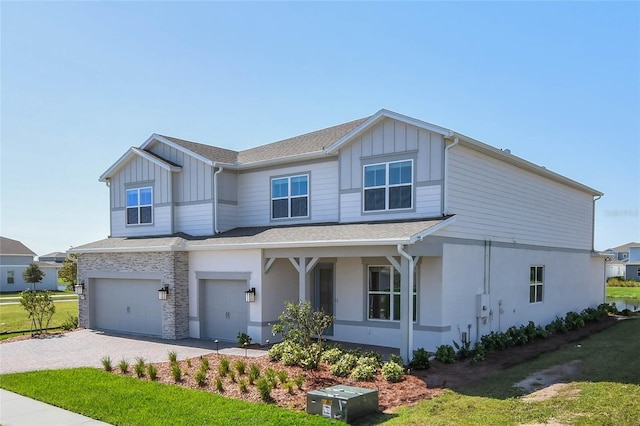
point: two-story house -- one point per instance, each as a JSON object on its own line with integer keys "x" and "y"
{"x": 624, "y": 261}
{"x": 410, "y": 234}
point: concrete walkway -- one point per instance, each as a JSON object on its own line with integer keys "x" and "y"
{"x": 86, "y": 348}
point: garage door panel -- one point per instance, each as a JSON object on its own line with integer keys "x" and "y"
{"x": 129, "y": 306}
{"x": 223, "y": 309}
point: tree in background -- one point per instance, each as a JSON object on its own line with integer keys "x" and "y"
{"x": 33, "y": 275}
{"x": 69, "y": 272}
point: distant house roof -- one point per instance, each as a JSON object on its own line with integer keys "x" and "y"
{"x": 624, "y": 248}
{"x": 9, "y": 247}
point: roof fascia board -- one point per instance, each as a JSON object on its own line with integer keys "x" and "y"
{"x": 522, "y": 163}
{"x": 127, "y": 156}
{"x": 431, "y": 230}
{"x": 384, "y": 113}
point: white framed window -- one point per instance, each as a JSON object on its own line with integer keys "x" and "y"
{"x": 536, "y": 283}
{"x": 383, "y": 294}
{"x": 140, "y": 206}
{"x": 11, "y": 277}
{"x": 388, "y": 186}
{"x": 290, "y": 197}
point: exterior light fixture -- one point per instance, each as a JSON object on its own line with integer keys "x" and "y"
{"x": 163, "y": 293}
{"x": 250, "y": 295}
{"x": 79, "y": 288}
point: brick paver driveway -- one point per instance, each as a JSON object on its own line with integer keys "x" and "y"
{"x": 85, "y": 348}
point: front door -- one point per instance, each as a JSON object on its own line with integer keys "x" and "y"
{"x": 323, "y": 291}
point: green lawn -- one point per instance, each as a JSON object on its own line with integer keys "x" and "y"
{"x": 13, "y": 317}
{"x": 607, "y": 392}
{"x": 623, "y": 292}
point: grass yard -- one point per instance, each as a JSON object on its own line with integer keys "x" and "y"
{"x": 623, "y": 292}
{"x": 607, "y": 392}
{"x": 13, "y": 317}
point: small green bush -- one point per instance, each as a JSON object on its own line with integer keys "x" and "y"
{"x": 283, "y": 376}
{"x": 445, "y": 354}
{"x": 289, "y": 387}
{"x": 271, "y": 377}
{"x": 71, "y": 323}
{"x": 244, "y": 338}
{"x": 363, "y": 372}
{"x": 240, "y": 366}
{"x": 254, "y": 373}
{"x": 299, "y": 380}
{"x": 276, "y": 351}
{"x": 479, "y": 353}
{"x": 173, "y": 356}
{"x": 420, "y": 359}
{"x": 124, "y": 366}
{"x": 573, "y": 320}
{"x": 621, "y": 282}
{"x": 106, "y": 363}
{"x": 557, "y": 326}
{"x": 397, "y": 359}
{"x": 176, "y": 372}
{"x": 345, "y": 365}
{"x": 331, "y": 356}
{"x": 264, "y": 389}
{"x": 201, "y": 377}
{"x": 152, "y": 372}
{"x": 219, "y": 385}
{"x": 392, "y": 372}
{"x": 223, "y": 367}
{"x": 204, "y": 363}
{"x": 242, "y": 385}
{"x": 139, "y": 367}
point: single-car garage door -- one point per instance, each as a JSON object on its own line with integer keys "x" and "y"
{"x": 223, "y": 309}
{"x": 128, "y": 306}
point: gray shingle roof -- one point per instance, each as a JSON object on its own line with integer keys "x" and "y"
{"x": 377, "y": 233}
{"x": 14, "y": 247}
{"x": 303, "y": 144}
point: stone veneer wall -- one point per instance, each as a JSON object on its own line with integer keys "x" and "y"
{"x": 174, "y": 267}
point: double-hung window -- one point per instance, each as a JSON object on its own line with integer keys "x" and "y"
{"x": 11, "y": 278}
{"x": 388, "y": 186}
{"x": 290, "y": 197}
{"x": 384, "y": 294}
{"x": 536, "y": 283}
{"x": 139, "y": 206}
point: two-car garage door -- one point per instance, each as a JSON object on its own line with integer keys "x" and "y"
{"x": 128, "y": 306}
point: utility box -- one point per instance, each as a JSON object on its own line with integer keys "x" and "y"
{"x": 482, "y": 305}
{"x": 345, "y": 403}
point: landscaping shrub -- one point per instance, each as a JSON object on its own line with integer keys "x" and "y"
{"x": 292, "y": 353}
{"x": 344, "y": 366}
{"x": 244, "y": 338}
{"x": 397, "y": 359}
{"x": 332, "y": 355}
{"x": 392, "y": 372}
{"x": 299, "y": 380}
{"x": 463, "y": 349}
{"x": 139, "y": 367}
{"x": 573, "y": 320}
{"x": 201, "y": 377}
{"x": 271, "y": 377}
{"x": 264, "y": 389}
{"x": 152, "y": 372}
{"x": 276, "y": 351}
{"x": 311, "y": 357}
{"x": 124, "y": 366}
{"x": 557, "y": 326}
{"x": 204, "y": 363}
{"x": 106, "y": 363}
{"x": 254, "y": 373}
{"x": 219, "y": 385}
{"x": 420, "y": 359}
{"x": 289, "y": 387}
{"x": 223, "y": 367}
{"x": 176, "y": 373}
{"x": 621, "y": 282}
{"x": 242, "y": 385}
{"x": 283, "y": 376}
{"x": 71, "y": 323}
{"x": 479, "y": 353}
{"x": 173, "y": 356}
{"x": 240, "y": 366}
{"x": 445, "y": 354}
{"x": 232, "y": 376}
{"x": 363, "y": 372}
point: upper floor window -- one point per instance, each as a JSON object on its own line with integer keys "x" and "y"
{"x": 290, "y": 197}
{"x": 536, "y": 282}
{"x": 11, "y": 277}
{"x": 388, "y": 186}
{"x": 384, "y": 293}
{"x": 139, "y": 206}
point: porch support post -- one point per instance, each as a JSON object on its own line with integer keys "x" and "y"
{"x": 405, "y": 311}
{"x": 301, "y": 267}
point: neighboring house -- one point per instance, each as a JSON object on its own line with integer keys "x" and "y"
{"x": 624, "y": 261}
{"x": 14, "y": 259}
{"x": 410, "y": 234}
{"x": 55, "y": 257}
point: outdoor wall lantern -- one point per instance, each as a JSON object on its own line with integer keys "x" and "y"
{"x": 250, "y": 295}
{"x": 163, "y": 292}
{"x": 79, "y": 288}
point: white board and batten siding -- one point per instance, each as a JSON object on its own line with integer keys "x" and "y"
{"x": 254, "y": 194}
{"x": 392, "y": 140}
{"x": 498, "y": 201}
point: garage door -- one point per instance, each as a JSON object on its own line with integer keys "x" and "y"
{"x": 128, "y": 306}
{"x": 223, "y": 309}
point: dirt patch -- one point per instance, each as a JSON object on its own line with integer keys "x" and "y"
{"x": 544, "y": 379}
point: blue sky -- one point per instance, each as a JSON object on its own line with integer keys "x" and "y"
{"x": 557, "y": 83}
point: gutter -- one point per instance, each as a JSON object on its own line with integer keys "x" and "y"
{"x": 409, "y": 350}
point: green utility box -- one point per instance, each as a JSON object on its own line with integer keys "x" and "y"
{"x": 345, "y": 403}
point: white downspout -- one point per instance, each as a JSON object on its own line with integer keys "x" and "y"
{"x": 215, "y": 197}
{"x": 446, "y": 177}
{"x": 410, "y": 291}
{"x": 593, "y": 223}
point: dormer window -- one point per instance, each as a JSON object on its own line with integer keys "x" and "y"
{"x": 388, "y": 186}
{"x": 290, "y": 197}
{"x": 139, "y": 206}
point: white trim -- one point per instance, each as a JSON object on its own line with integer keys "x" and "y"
{"x": 127, "y": 156}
